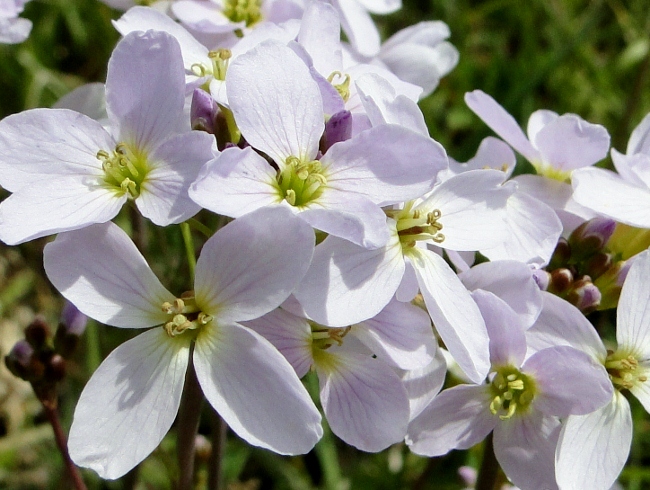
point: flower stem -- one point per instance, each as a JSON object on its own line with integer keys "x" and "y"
{"x": 189, "y": 247}
{"x": 59, "y": 436}
{"x": 219, "y": 430}
{"x": 189, "y": 415}
{"x": 487, "y": 474}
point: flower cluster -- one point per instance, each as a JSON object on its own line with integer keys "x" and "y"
{"x": 354, "y": 247}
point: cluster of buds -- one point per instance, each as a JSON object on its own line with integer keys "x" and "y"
{"x": 41, "y": 359}
{"x": 583, "y": 270}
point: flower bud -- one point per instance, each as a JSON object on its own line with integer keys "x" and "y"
{"x": 55, "y": 369}
{"x": 598, "y": 264}
{"x": 37, "y": 333}
{"x": 584, "y": 295}
{"x": 590, "y": 237}
{"x": 338, "y": 128}
{"x": 561, "y": 255}
{"x": 611, "y": 282}
{"x": 561, "y": 281}
{"x": 203, "y": 111}
{"x": 72, "y": 326}
{"x": 19, "y": 359}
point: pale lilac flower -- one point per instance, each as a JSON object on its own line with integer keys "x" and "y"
{"x": 556, "y": 146}
{"x": 593, "y": 447}
{"x": 66, "y": 171}
{"x": 245, "y": 270}
{"x": 13, "y": 29}
{"x": 278, "y": 108}
{"x": 521, "y": 402}
{"x": 347, "y": 284}
{"x": 364, "y": 399}
{"x": 625, "y": 196}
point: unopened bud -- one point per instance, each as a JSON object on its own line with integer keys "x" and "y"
{"x": 598, "y": 264}
{"x": 55, "y": 369}
{"x": 561, "y": 255}
{"x": 611, "y": 282}
{"x": 561, "y": 281}
{"x": 584, "y": 295}
{"x": 72, "y": 326}
{"x": 19, "y": 359}
{"x": 37, "y": 333}
{"x": 338, "y": 128}
{"x": 203, "y": 111}
{"x": 590, "y": 237}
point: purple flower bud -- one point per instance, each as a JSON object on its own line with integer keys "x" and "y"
{"x": 338, "y": 128}
{"x": 203, "y": 111}
{"x": 561, "y": 281}
{"x": 23, "y": 362}
{"x": 591, "y": 236}
{"x": 584, "y": 295}
{"x": 37, "y": 333}
{"x": 72, "y": 320}
{"x": 598, "y": 264}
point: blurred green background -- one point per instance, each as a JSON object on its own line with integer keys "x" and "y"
{"x": 591, "y": 58}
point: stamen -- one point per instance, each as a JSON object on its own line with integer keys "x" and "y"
{"x": 512, "y": 391}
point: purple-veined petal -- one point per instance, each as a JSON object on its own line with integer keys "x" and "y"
{"x": 54, "y": 206}
{"x": 400, "y": 335}
{"x": 457, "y": 418}
{"x": 561, "y": 323}
{"x": 386, "y": 164}
{"x": 364, "y": 400}
{"x": 255, "y": 389}
{"x": 608, "y": 194}
{"x": 101, "y": 272}
{"x": 454, "y": 313}
{"x": 593, "y": 448}
{"x": 505, "y": 329}
{"x": 49, "y": 143}
{"x": 422, "y": 385}
{"x": 347, "y": 284}
{"x": 473, "y": 209}
{"x": 511, "y": 281}
{"x": 569, "y": 142}
{"x": 145, "y": 18}
{"x": 88, "y": 99}
{"x": 501, "y": 123}
{"x": 358, "y": 27}
{"x": 288, "y": 333}
{"x": 235, "y": 183}
{"x": 320, "y": 35}
{"x": 145, "y": 89}
{"x": 348, "y": 216}
{"x": 276, "y": 103}
{"x": 641, "y": 389}
{"x": 633, "y": 312}
{"x": 534, "y": 231}
{"x": 525, "y": 448}
{"x": 129, "y": 403}
{"x": 570, "y": 382}
{"x": 253, "y": 264}
{"x": 164, "y": 195}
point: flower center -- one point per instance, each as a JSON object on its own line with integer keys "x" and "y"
{"x": 124, "y": 169}
{"x": 220, "y": 59}
{"x": 300, "y": 182}
{"x": 512, "y": 392}
{"x": 624, "y": 370}
{"x": 552, "y": 172}
{"x": 248, "y": 11}
{"x": 184, "y": 315}
{"x": 324, "y": 337}
{"x": 343, "y": 85}
{"x": 415, "y": 225}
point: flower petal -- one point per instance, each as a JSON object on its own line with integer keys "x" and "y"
{"x": 253, "y": 264}
{"x": 255, "y": 389}
{"x": 364, "y": 400}
{"x": 129, "y": 404}
{"x": 422, "y": 385}
{"x": 276, "y": 103}
{"x": 457, "y": 418}
{"x": 593, "y": 448}
{"x": 633, "y": 312}
{"x": 101, "y": 272}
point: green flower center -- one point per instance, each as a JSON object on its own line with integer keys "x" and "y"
{"x": 415, "y": 225}
{"x": 553, "y": 173}
{"x": 512, "y": 392}
{"x": 301, "y": 182}
{"x": 125, "y": 169}
{"x": 184, "y": 315}
{"x": 624, "y": 370}
{"x": 248, "y": 11}
{"x": 322, "y": 338}
{"x": 220, "y": 59}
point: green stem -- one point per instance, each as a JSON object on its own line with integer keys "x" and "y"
{"x": 487, "y": 474}
{"x": 219, "y": 430}
{"x": 189, "y": 248}
{"x": 200, "y": 227}
{"x": 189, "y": 415}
